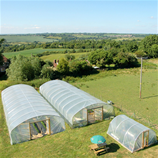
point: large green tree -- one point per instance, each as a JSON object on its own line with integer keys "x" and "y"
{"x": 78, "y": 68}
{"x": 63, "y": 67}
{"x": 147, "y": 45}
{"x": 1, "y": 57}
{"x": 24, "y": 68}
{"x": 47, "y": 72}
{"x": 125, "y": 60}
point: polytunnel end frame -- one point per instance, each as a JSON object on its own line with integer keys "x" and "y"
{"x": 121, "y": 144}
{"x": 135, "y": 139}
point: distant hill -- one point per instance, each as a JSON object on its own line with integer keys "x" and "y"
{"x": 51, "y": 37}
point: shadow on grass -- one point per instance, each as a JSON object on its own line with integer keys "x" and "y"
{"x": 112, "y": 148}
{"x": 150, "y": 97}
{"x": 148, "y": 147}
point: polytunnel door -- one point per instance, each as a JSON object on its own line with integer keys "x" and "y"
{"x": 39, "y": 129}
{"x": 94, "y": 115}
{"x": 145, "y": 139}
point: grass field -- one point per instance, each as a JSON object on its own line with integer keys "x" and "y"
{"x": 54, "y": 37}
{"x": 121, "y": 87}
{"x": 31, "y": 51}
{"x": 123, "y": 90}
{"x": 60, "y": 56}
{"x": 13, "y": 38}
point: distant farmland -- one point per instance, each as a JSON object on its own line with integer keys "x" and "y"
{"x": 27, "y": 39}
{"x": 29, "y": 52}
{"x": 60, "y": 56}
{"x": 35, "y": 51}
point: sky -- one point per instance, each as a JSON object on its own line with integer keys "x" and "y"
{"x": 78, "y": 16}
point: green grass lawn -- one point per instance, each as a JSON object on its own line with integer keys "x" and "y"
{"x": 121, "y": 87}
{"x": 123, "y": 90}
{"x": 69, "y": 144}
{"x": 31, "y": 51}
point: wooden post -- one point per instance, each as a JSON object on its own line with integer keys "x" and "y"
{"x": 147, "y": 138}
{"x": 102, "y": 114}
{"x": 87, "y": 116}
{"x": 49, "y": 126}
{"x": 30, "y": 131}
{"x": 142, "y": 140}
{"x": 141, "y": 77}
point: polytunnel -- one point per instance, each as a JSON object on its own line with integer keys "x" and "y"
{"x": 77, "y": 107}
{"x": 28, "y": 114}
{"x": 131, "y": 134}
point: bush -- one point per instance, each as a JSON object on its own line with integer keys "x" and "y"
{"x": 47, "y": 72}
{"x": 69, "y": 57}
{"x": 125, "y": 60}
{"x": 63, "y": 67}
{"x": 23, "y": 68}
{"x": 78, "y": 68}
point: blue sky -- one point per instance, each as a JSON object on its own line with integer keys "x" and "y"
{"x": 78, "y": 16}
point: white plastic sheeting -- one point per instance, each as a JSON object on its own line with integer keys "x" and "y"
{"x": 71, "y": 102}
{"x": 22, "y": 105}
{"x": 130, "y": 133}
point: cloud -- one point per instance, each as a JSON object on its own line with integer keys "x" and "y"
{"x": 30, "y": 28}
{"x": 152, "y": 17}
{"x": 138, "y": 20}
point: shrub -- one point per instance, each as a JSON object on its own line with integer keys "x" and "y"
{"x": 80, "y": 68}
{"x": 23, "y": 68}
{"x": 125, "y": 60}
{"x": 63, "y": 67}
{"x": 47, "y": 72}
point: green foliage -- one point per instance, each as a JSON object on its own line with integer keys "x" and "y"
{"x": 47, "y": 72}
{"x": 69, "y": 57}
{"x": 93, "y": 57}
{"x": 102, "y": 58}
{"x": 63, "y": 67}
{"x": 147, "y": 44}
{"x": 34, "y": 125}
{"x": 43, "y": 124}
{"x": 1, "y": 41}
{"x": 132, "y": 47}
{"x": 78, "y": 68}
{"x": 125, "y": 60}
{"x": 36, "y": 64}
{"x": 83, "y": 57}
{"x": 154, "y": 50}
{"x": 114, "y": 44}
{"x": 65, "y": 51}
{"x": 140, "y": 53}
{"x": 23, "y": 68}
{"x": 1, "y": 58}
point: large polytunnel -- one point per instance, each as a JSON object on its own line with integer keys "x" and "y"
{"x": 131, "y": 134}
{"x": 77, "y": 107}
{"x": 28, "y": 114}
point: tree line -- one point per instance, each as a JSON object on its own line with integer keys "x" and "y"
{"x": 121, "y": 56}
{"x": 29, "y": 68}
{"x": 149, "y": 45}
